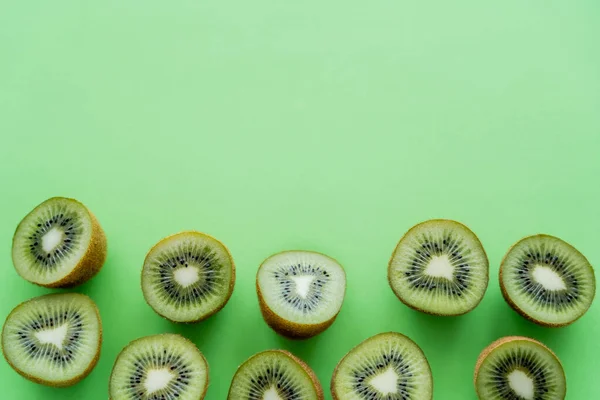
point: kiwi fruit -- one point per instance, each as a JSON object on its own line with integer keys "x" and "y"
{"x": 300, "y": 292}
{"x": 519, "y": 368}
{"x": 275, "y": 375}
{"x": 439, "y": 267}
{"x": 159, "y": 367}
{"x": 187, "y": 277}
{"x": 547, "y": 280}
{"x": 53, "y": 339}
{"x": 59, "y": 244}
{"x": 387, "y": 366}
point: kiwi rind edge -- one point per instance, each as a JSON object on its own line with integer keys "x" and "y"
{"x": 438, "y": 220}
{"x": 335, "y": 371}
{"x": 225, "y": 298}
{"x": 311, "y": 374}
{"x": 89, "y": 264}
{"x": 507, "y": 339}
{"x": 514, "y": 306}
{"x": 289, "y": 329}
{"x": 69, "y": 382}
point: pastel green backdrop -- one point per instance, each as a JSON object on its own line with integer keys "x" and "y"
{"x": 331, "y": 126}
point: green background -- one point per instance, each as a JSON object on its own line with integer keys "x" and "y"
{"x": 330, "y": 126}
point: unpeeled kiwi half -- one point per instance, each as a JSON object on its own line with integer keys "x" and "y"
{"x": 519, "y": 368}
{"x": 53, "y": 339}
{"x": 547, "y": 280}
{"x": 300, "y": 292}
{"x": 387, "y": 366}
{"x": 275, "y": 375}
{"x": 439, "y": 267}
{"x": 59, "y": 244}
{"x": 188, "y": 277}
{"x": 159, "y": 367}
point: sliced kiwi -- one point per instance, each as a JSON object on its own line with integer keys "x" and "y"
{"x": 547, "y": 280}
{"x": 59, "y": 244}
{"x": 53, "y": 339}
{"x": 519, "y": 368}
{"x": 275, "y": 375}
{"x": 300, "y": 292}
{"x": 159, "y": 367}
{"x": 388, "y": 366}
{"x": 439, "y": 267}
{"x": 188, "y": 277}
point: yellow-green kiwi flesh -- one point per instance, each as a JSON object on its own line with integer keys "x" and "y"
{"x": 53, "y": 339}
{"x": 187, "y": 277}
{"x": 439, "y": 267}
{"x": 275, "y": 374}
{"x": 59, "y": 244}
{"x": 519, "y": 367}
{"x": 300, "y": 293}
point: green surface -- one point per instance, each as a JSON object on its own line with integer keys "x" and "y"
{"x": 327, "y": 126}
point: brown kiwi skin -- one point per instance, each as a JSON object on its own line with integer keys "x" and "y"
{"x": 231, "y": 284}
{"x": 70, "y": 382}
{"x": 335, "y": 371}
{"x": 396, "y": 249}
{"x": 507, "y": 339}
{"x": 311, "y": 374}
{"x": 165, "y": 334}
{"x": 90, "y": 263}
{"x": 289, "y": 329}
{"x": 519, "y": 310}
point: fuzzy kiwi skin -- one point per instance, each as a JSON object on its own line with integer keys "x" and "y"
{"x": 394, "y": 254}
{"x": 164, "y": 335}
{"x": 519, "y": 310}
{"x": 89, "y": 264}
{"x": 507, "y": 339}
{"x": 289, "y": 329}
{"x": 59, "y": 384}
{"x": 231, "y": 284}
{"x": 335, "y": 371}
{"x": 311, "y": 374}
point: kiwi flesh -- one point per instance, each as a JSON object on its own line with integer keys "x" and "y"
{"x": 519, "y": 368}
{"x": 300, "y": 292}
{"x": 187, "y": 277}
{"x": 59, "y": 244}
{"x": 439, "y": 267}
{"x": 159, "y": 367}
{"x": 387, "y": 366}
{"x": 547, "y": 281}
{"x": 275, "y": 375}
{"x": 53, "y": 339}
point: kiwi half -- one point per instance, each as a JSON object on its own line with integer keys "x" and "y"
{"x": 59, "y": 244}
{"x": 300, "y": 292}
{"x": 54, "y": 339}
{"x": 388, "y": 366}
{"x": 159, "y": 367}
{"x": 188, "y": 277}
{"x": 275, "y": 375}
{"x": 439, "y": 267}
{"x": 547, "y": 280}
{"x": 519, "y": 368}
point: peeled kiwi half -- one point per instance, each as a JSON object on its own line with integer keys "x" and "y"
{"x": 388, "y": 366}
{"x": 547, "y": 280}
{"x": 53, "y": 339}
{"x": 59, "y": 244}
{"x": 275, "y": 375}
{"x": 300, "y": 292}
{"x": 519, "y": 368}
{"x": 439, "y": 267}
{"x": 188, "y": 277}
{"x": 159, "y": 367}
